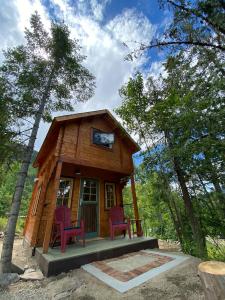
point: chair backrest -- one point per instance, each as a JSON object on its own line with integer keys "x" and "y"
{"x": 63, "y": 214}
{"x": 116, "y": 214}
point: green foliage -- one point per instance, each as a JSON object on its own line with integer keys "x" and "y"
{"x": 7, "y": 188}
{"x": 179, "y": 119}
{"x": 19, "y": 225}
{"x": 3, "y": 223}
{"x": 46, "y": 68}
{"x": 198, "y": 24}
{"x": 216, "y": 251}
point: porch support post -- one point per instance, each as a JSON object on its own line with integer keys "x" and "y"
{"x": 55, "y": 188}
{"x": 136, "y": 213}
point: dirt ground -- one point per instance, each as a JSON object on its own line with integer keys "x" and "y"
{"x": 181, "y": 283}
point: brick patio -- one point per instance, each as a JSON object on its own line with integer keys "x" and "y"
{"x": 156, "y": 261}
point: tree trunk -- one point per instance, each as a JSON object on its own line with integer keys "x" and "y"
{"x": 174, "y": 212}
{"x": 6, "y": 256}
{"x": 198, "y": 234}
{"x": 196, "y": 228}
{"x": 176, "y": 224}
{"x": 212, "y": 274}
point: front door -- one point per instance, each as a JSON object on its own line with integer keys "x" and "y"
{"x": 89, "y": 206}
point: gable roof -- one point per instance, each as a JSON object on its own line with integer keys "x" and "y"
{"x": 58, "y": 121}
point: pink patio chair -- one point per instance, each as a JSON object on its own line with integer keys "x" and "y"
{"x": 117, "y": 221}
{"x": 64, "y": 228}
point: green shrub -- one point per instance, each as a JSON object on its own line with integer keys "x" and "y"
{"x": 19, "y": 225}
{"x": 215, "y": 251}
{"x": 3, "y": 222}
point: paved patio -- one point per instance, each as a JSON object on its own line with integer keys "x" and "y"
{"x": 128, "y": 271}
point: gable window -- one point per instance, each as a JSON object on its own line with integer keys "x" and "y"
{"x": 101, "y": 138}
{"x": 65, "y": 190}
{"x": 110, "y": 195}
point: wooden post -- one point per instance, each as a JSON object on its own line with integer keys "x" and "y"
{"x": 212, "y": 274}
{"x": 48, "y": 230}
{"x": 136, "y": 213}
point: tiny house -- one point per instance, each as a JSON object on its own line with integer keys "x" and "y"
{"x": 84, "y": 163}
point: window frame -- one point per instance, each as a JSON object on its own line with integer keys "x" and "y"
{"x": 99, "y": 145}
{"x": 114, "y": 193}
{"x": 69, "y": 205}
{"x": 89, "y": 194}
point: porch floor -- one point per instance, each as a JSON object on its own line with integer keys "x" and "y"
{"x": 55, "y": 262}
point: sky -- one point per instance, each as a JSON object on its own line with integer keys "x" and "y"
{"x": 102, "y": 27}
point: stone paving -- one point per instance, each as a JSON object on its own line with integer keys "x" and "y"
{"x": 131, "y": 265}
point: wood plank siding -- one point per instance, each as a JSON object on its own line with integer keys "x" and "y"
{"x": 68, "y": 152}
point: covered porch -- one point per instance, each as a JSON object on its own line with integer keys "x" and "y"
{"x": 70, "y": 184}
{"x": 55, "y": 262}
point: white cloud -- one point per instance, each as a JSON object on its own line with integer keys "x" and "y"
{"x": 132, "y": 28}
{"x": 103, "y": 45}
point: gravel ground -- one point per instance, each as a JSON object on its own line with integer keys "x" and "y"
{"x": 181, "y": 282}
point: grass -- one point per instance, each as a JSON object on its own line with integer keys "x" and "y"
{"x": 216, "y": 250}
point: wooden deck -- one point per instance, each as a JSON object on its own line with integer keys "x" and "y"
{"x": 55, "y": 262}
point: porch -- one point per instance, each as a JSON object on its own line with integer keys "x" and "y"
{"x": 55, "y": 262}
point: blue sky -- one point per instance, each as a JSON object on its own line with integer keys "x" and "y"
{"x": 102, "y": 27}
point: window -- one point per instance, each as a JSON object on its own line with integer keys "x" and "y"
{"x": 36, "y": 200}
{"x": 110, "y": 195}
{"x": 65, "y": 190}
{"x": 89, "y": 190}
{"x": 103, "y": 138}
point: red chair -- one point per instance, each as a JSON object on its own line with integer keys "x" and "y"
{"x": 64, "y": 228}
{"x": 117, "y": 221}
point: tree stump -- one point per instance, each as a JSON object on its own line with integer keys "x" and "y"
{"x": 212, "y": 274}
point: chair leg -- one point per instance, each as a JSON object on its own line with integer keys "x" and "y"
{"x": 83, "y": 238}
{"x": 54, "y": 240}
{"x": 63, "y": 244}
{"x": 129, "y": 233}
{"x": 112, "y": 234}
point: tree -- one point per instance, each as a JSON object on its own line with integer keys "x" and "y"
{"x": 42, "y": 76}
{"x": 197, "y": 23}
{"x": 180, "y": 121}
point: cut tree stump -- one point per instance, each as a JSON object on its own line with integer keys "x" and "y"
{"x": 212, "y": 274}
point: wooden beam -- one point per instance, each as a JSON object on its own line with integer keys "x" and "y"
{"x": 48, "y": 229}
{"x": 136, "y": 213}
{"x": 77, "y": 140}
{"x": 89, "y": 163}
{"x": 59, "y": 141}
{"x": 48, "y": 172}
{"x": 35, "y": 188}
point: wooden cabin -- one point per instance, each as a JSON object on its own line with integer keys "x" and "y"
{"x": 84, "y": 163}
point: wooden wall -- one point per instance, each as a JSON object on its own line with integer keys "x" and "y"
{"x": 32, "y": 221}
{"x": 77, "y": 144}
{"x": 75, "y": 148}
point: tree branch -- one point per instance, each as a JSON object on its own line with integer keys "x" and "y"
{"x": 198, "y": 15}
{"x": 170, "y": 43}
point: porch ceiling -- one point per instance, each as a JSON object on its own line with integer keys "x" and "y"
{"x": 70, "y": 169}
